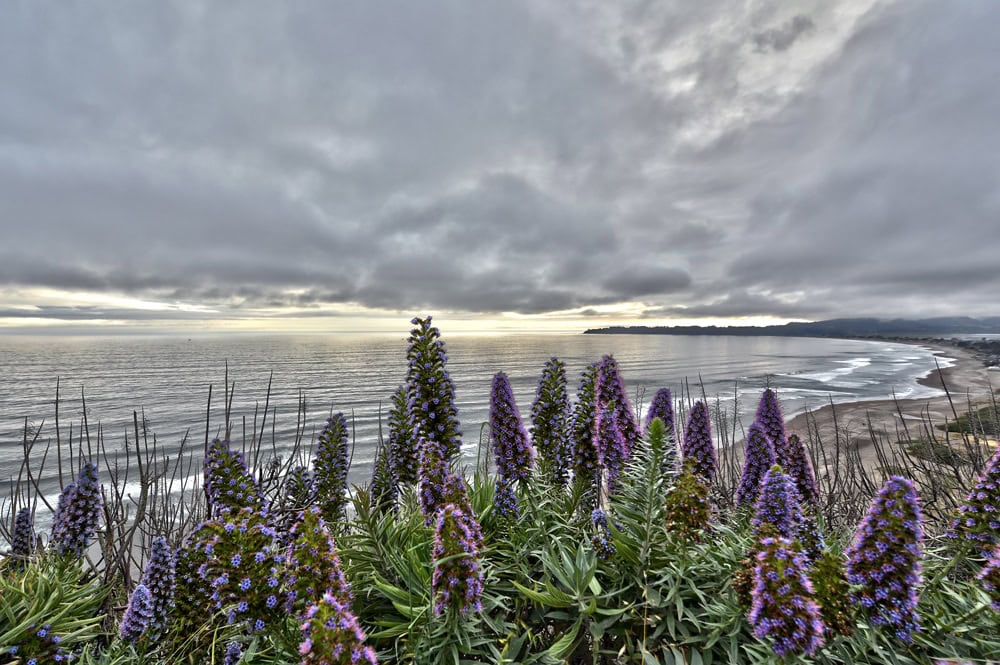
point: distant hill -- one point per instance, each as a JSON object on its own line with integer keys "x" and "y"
{"x": 870, "y": 327}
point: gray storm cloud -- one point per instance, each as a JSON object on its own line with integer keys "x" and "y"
{"x": 702, "y": 160}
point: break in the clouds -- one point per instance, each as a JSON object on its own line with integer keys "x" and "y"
{"x": 199, "y": 161}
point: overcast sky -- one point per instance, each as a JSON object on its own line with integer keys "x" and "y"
{"x": 323, "y": 165}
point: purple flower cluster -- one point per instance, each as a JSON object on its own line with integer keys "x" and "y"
{"x": 511, "y": 449}
{"x": 662, "y": 407}
{"x": 22, "y": 542}
{"x": 698, "y": 449}
{"x": 778, "y": 505}
{"x": 331, "y": 635}
{"x": 233, "y": 654}
{"x": 800, "y": 469}
{"x": 433, "y": 473}
{"x": 384, "y": 488}
{"x": 458, "y": 579}
{"x": 585, "y": 459}
{"x": 505, "y": 500}
{"x": 228, "y": 483}
{"x": 758, "y": 457}
{"x": 884, "y": 559}
{"x": 330, "y": 467}
{"x": 39, "y": 645}
{"x": 601, "y": 538}
{"x": 300, "y": 488}
{"x": 78, "y": 513}
{"x": 783, "y": 609}
{"x": 312, "y": 565}
{"x": 550, "y": 422}
{"x": 404, "y": 448}
{"x": 687, "y": 511}
{"x": 989, "y": 578}
{"x": 430, "y": 389}
{"x": 770, "y": 417}
{"x": 138, "y": 615}
{"x": 159, "y": 577}
{"x": 611, "y": 393}
{"x": 979, "y": 517}
{"x": 610, "y": 445}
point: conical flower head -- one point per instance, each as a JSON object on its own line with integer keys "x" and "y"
{"x": 604, "y": 548}
{"x": 771, "y": 419}
{"x": 758, "y": 457}
{"x": 662, "y": 407}
{"x": 330, "y": 468}
{"x": 550, "y": 422}
{"x": 160, "y": 578}
{"x": 511, "y": 448}
{"x": 698, "y": 449}
{"x": 884, "y": 559}
{"x": 778, "y": 505}
{"x": 687, "y": 509}
{"x": 78, "y": 513}
{"x": 312, "y": 566}
{"x": 23, "y": 540}
{"x": 331, "y": 635}
{"x": 585, "y": 460}
{"x": 979, "y": 517}
{"x": 384, "y": 488}
{"x": 801, "y": 470}
{"x": 833, "y": 593}
{"x": 404, "y": 447}
{"x": 989, "y": 579}
{"x": 611, "y": 393}
{"x": 433, "y": 472}
{"x": 458, "y": 578}
{"x": 783, "y": 610}
{"x": 430, "y": 389}
{"x": 233, "y": 654}
{"x": 505, "y": 500}
{"x": 610, "y": 445}
{"x": 229, "y": 486}
{"x": 138, "y": 615}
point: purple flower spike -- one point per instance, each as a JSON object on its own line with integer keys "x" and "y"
{"x": 979, "y": 517}
{"x": 228, "y": 484}
{"x": 78, "y": 513}
{"x": 433, "y": 473}
{"x": 884, "y": 559}
{"x": 22, "y": 542}
{"x": 610, "y": 445}
{"x": 778, "y": 505}
{"x": 770, "y": 417}
{"x": 430, "y": 389}
{"x": 331, "y": 635}
{"x": 550, "y": 426}
{"x": 159, "y": 578}
{"x": 458, "y": 578}
{"x": 758, "y": 457}
{"x": 511, "y": 448}
{"x": 601, "y": 539}
{"x": 312, "y": 566}
{"x": 505, "y": 500}
{"x": 585, "y": 461}
{"x": 610, "y": 390}
{"x": 783, "y": 608}
{"x": 404, "y": 448}
{"x": 330, "y": 468}
{"x": 800, "y": 468}
{"x": 384, "y": 487}
{"x": 138, "y": 615}
{"x": 662, "y": 407}
{"x": 989, "y": 578}
{"x": 698, "y": 449}
{"x": 233, "y": 654}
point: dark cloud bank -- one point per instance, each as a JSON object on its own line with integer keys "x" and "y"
{"x": 703, "y": 159}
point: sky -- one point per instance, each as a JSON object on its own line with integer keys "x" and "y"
{"x": 519, "y": 165}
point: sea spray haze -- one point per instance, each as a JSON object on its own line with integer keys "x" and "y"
{"x": 550, "y": 422}
{"x": 430, "y": 390}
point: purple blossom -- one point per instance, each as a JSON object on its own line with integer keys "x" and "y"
{"x": 662, "y": 407}
{"x": 884, "y": 559}
{"x": 505, "y": 500}
{"x": 228, "y": 483}
{"x": 585, "y": 459}
{"x": 159, "y": 577}
{"x": 433, "y": 472}
{"x": 601, "y": 538}
{"x": 457, "y": 582}
{"x": 770, "y": 417}
{"x": 611, "y": 393}
{"x": 430, "y": 391}
{"x": 330, "y": 468}
{"x": 138, "y": 615}
{"x": 511, "y": 448}
{"x": 233, "y": 654}
{"x": 331, "y": 635}
{"x": 979, "y": 517}
{"x": 800, "y": 469}
{"x": 778, "y": 505}
{"x": 783, "y": 609}
{"x": 550, "y": 422}
{"x": 23, "y": 539}
{"x": 698, "y": 450}
{"x": 384, "y": 487}
{"x": 78, "y": 513}
{"x": 758, "y": 457}
{"x": 989, "y": 578}
{"x": 312, "y": 567}
{"x": 610, "y": 445}
{"x": 404, "y": 447}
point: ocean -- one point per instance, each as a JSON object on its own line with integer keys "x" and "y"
{"x": 167, "y": 379}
